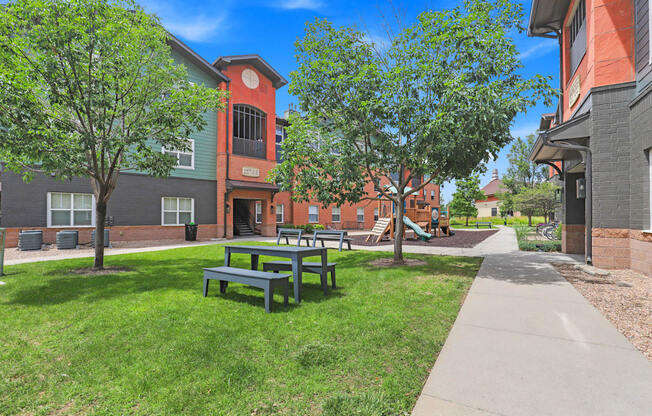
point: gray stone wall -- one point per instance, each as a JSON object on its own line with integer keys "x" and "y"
{"x": 136, "y": 200}
{"x": 612, "y": 151}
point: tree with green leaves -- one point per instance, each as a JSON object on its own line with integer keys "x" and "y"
{"x": 88, "y": 87}
{"x": 437, "y": 102}
{"x": 539, "y": 200}
{"x": 467, "y": 191}
{"x": 522, "y": 175}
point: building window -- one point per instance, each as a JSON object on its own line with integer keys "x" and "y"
{"x": 280, "y": 213}
{"x": 494, "y": 212}
{"x": 177, "y": 211}
{"x": 259, "y": 212}
{"x": 360, "y": 214}
{"x": 70, "y": 210}
{"x": 280, "y": 137}
{"x": 337, "y": 214}
{"x": 577, "y": 36}
{"x": 375, "y": 214}
{"x": 432, "y": 195}
{"x": 185, "y": 160}
{"x": 249, "y": 131}
{"x": 313, "y": 213}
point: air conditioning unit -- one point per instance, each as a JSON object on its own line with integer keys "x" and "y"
{"x": 30, "y": 240}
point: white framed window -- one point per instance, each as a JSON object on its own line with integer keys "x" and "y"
{"x": 177, "y": 211}
{"x": 337, "y": 214}
{"x": 432, "y": 195}
{"x": 70, "y": 210}
{"x": 185, "y": 160}
{"x": 360, "y": 214}
{"x": 375, "y": 214}
{"x": 259, "y": 212}
{"x": 280, "y": 213}
{"x": 313, "y": 213}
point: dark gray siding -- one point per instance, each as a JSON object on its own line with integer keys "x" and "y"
{"x": 643, "y": 69}
{"x": 611, "y": 147}
{"x": 136, "y": 200}
{"x": 641, "y": 122}
{"x": 573, "y": 208}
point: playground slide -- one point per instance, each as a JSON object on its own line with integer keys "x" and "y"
{"x": 417, "y": 230}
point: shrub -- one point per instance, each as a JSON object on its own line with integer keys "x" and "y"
{"x": 549, "y": 245}
{"x": 319, "y": 227}
{"x": 558, "y": 233}
{"x": 308, "y": 228}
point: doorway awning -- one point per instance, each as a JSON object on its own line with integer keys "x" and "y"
{"x": 251, "y": 185}
{"x": 578, "y": 128}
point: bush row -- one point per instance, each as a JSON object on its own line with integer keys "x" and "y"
{"x": 549, "y": 245}
{"x": 306, "y": 227}
{"x": 497, "y": 220}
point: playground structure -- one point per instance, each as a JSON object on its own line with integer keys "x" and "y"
{"x": 424, "y": 220}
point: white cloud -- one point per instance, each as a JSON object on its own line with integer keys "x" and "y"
{"x": 539, "y": 49}
{"x": 300, "y": 4}
{"x": 203, "y": 26}
{"x": 196, "y": 29}
{"x": 524, "y": 129}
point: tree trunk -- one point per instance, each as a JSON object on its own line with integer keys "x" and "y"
{"x": 398, "y": 234}
{"x": 100, "y": 216}
{"x": 467, "y": 220}
{"x": 529, "y": 220}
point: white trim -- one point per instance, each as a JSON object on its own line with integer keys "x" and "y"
{"x": 163, "y": 211}
{"x": 256, "y": 206}
{"x": 282, "y": 213}
{"x": 72, "y": 210}
{"x": 339, "y": 214}
{"x": 317, "y": 208}
{"x": 191, "y": 153}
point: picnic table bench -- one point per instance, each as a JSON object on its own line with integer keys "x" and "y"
{"x": 263, "y": 280}
{"x": 287, "y": 233}
{"x": 479, "y": 223}
{"x": 308, "y": 267}
{"x": 329, "y": 235}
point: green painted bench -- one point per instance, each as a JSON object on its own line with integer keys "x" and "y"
{"x": 263, "y": 280}
{"x": 308, "y": 267}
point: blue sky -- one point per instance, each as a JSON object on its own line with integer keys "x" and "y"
{"x": 270, "y": 27}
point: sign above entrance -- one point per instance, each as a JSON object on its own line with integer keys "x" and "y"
{"x": 250, "y": 171}
{"x": 574, "y": 91}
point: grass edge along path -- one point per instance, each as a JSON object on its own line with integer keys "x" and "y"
{"x": 145, "y": 341}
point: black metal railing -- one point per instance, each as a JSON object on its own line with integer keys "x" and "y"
{"x": 245, "y": 147}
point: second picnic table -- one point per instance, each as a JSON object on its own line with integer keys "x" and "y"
{"x": 295, "y": 254}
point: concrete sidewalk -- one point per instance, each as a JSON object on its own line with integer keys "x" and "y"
{"x": 527, "y": 343}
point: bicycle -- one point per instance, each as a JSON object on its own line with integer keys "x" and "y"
{"x": 548, "y": 230}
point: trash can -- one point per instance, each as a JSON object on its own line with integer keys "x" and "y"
{"x": 191, "y": 232}
{"x": 3, "y": 233}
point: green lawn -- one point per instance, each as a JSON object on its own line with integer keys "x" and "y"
{"x": 146, "y": 341}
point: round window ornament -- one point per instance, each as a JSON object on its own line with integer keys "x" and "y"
{"x": 250, "y": 79}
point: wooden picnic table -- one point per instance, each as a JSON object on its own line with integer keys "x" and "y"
{"x": 295, "y": 254}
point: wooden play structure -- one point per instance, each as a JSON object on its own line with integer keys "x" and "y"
{"x": 426, "y": 221}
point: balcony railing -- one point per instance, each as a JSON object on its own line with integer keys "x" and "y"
{"x": 245, "y": 147}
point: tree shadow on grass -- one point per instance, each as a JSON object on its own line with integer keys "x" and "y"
{"x": 145, "y": 276}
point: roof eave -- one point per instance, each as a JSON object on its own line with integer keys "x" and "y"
{"x": 196, "y": 58}
{"x": 277, "y": 79}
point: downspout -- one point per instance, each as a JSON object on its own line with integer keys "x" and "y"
{"x": 588, "y": 202}
{"x": 227, "y": 192}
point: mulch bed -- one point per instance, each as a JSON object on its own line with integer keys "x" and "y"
{"x": 461, "y": 239}
{"x": 624, "y": 298}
